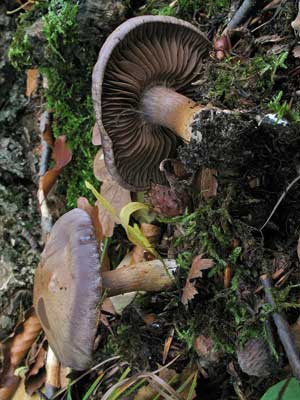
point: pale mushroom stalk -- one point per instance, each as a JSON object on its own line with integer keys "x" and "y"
{"x": 166, "y": 107}
{"x": 148, "y": 276}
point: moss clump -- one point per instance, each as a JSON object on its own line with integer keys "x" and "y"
{"x": 255, "y": 77}
{"x": 188, "y": 8}
{"x": 225, "y": 314}
{"x": 69, "y": 85}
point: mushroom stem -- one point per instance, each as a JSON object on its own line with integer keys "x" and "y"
{"x": 152, "y": 276}
{"x": 165, "y": 107}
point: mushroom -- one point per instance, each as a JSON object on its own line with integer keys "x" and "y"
{"x": 141, "y": 84}
{"x": 296, "y": 23}
{"x": 68, "y": 287}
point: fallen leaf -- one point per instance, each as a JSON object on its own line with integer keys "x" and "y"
{"x": 117, "y": 197}
{"x": 296, "y": 52}
{"x": 32, "y": 81}
{"x": 93, "y": 211}
{"x": 99, "y": 168}
{"x": 167, "y": 345}
{"x": 21, "y": 394}
{"x": 199, "y": 264}
{"x": 62, "y": 155}
{"x": 208, "y": 183}
{"x": 96, "y": 138}
{"x": 14, "y": 349}
{"x": 36, "y": 376}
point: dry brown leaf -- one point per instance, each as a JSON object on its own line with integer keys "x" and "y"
{"x": 108, "y": 307}
{"x": 36, "y": 376}
{"x": 14, "y": 349}
{"x": 62, "y": 155}
{"x": 96, "y": 138}
{"x": 117, "y": 197}
{"x": 296, "y": 52}
{"x": 112, "y": 192}
{"x": 152, "y": 233}
{"x": 84, "y": 204}
{"x": 199, "y": 264}
{"x": 21, "y": 394}
{"x": 167, "y": 345}
{"x": 100, "y": 170}
{"x": 32, "y": 81}
{"x": 209, "y": 183}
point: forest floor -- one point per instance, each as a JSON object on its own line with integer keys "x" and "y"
{"x": 215, "y": 331}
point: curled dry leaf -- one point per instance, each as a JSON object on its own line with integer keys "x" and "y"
{"x": 35, "y": 377}
{"x": 93, "y": 211}
{"x": 199, "y": 264}
{"x": 117, "y": 196}
{"x": 62, "y": 155}
{"x": 14, "y": 349}
{"x": 31, "y": 81}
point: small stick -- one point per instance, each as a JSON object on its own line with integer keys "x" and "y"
{"x": 280, "y": 200}
{"x": 283, "y": 329}
{"x": 241, "y": 14}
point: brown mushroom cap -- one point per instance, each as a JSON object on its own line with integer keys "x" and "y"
{"x": 142, "y": 53}
{"x": 67, "y": 289}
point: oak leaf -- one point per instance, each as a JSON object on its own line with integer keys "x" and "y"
{"x": 199, "y": 264}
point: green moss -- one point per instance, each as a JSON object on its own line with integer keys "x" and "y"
{"x": 256, "y": 76}
{"x": 187, "y": 8}
{"x": 69, "y": 87}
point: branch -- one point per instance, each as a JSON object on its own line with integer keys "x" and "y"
{"x": 283, "y": 329}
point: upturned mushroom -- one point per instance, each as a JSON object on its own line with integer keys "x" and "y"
{"x": 141, "y": 84}
{"x": 68, "y": 287}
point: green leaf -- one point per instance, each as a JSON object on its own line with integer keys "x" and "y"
{"x": 288, "y": 389}
{"x": 134, "y": 233}
{"x": 136, "y": 237}
{"x": 93, "y": 387}
{"x": 102, "y": 200}
{"x": 129, "y": 209}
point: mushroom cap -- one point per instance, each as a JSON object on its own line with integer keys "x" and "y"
{"x": 67, "y": 289}
{"x": 141, "y": 53}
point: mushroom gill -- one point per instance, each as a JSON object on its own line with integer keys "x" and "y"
{"x": 144, "y": 71}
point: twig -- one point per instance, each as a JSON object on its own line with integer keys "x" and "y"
{"x": 46, "y": 218}
{"x": 280, "y": 200}
{"x": 20, "y": 8}
{"x": 241, "y": 14}
{"x": 282, "y": 328}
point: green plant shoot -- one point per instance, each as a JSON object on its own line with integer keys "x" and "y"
{"x": 134, "y": 233}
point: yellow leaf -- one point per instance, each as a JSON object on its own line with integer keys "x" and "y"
{"x": 129, "y": 209}
{"x": 136, "y": 237}
{"x": 134, "y": 233}
{"x": 102, "y": 201}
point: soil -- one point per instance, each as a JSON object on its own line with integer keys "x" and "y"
{"x": 253, "y": 158}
